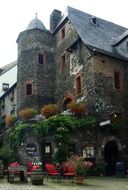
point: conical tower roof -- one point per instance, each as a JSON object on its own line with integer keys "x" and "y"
{"x": 36, "y": 24}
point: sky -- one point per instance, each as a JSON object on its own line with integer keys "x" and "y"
{"x": 15, "y": 16}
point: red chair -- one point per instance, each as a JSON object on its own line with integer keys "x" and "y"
{"x": 14, "y": 164}
{"x": 51, "y": 170}
{"x": 29, "y": 167}
{"x": 68, "y": 171}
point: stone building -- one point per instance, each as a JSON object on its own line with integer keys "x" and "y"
{"x": 8, "y": 92}
{"x": 81, "y": 58}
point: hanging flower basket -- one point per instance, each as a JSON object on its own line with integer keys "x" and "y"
{"x": 78, "y": 109}
{"x": 49, "y": 110}
{"x": 10, "y": 120}
{"x": 27, "y": 113}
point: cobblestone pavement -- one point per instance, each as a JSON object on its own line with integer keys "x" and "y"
{"x": 90, "y": 184}
{"x": 48, "y": 185}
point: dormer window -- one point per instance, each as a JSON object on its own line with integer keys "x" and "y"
{"x": 94, "y": 20}
{"x": 5, "y": 86}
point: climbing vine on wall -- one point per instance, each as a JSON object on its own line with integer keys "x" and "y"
{"x": 62, "y": 128}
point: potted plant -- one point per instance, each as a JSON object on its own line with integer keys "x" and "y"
{"x": 49, "y": 110}
{"x": 37, "y": 173}
{"x": 78, "y": 109}
{"x": 10, "y": 120}
{"x": 27, "y": 113}
{"x": 80, "y": 167}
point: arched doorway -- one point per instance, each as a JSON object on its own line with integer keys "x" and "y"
{"x": 66, "y": 101}
{"x": 111, "y": 156}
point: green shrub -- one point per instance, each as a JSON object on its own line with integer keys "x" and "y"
{"x": 8, "y": 155}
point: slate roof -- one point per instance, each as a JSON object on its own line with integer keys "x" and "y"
{"x": 7, "y": 67}
{"x": 95, "y": 32}
{"x": 120, "y": 38}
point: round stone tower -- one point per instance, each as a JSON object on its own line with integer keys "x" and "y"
{"x": 36, "y": 68}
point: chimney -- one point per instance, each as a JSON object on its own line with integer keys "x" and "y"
{"x": 54, "y": 19}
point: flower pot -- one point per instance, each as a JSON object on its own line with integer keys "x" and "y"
{"x": 79, "y": 180}
{"x": 37, "y": 177}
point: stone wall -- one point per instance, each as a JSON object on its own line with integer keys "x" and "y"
{"x": 65, "y": 83}
{"x": 108, "y": 99}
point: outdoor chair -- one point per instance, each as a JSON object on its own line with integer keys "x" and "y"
{"x": 14, "y": 164}
{"x": 51, "y": 171}
{"x": 69, "y": 172}
{"x": 29, "y": 167}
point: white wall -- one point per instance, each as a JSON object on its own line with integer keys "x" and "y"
{"x": 10, "y": 77}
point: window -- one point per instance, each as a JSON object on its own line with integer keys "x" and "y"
{"x": 2, "y": 105}
{"x": 63, "y": 33}
{"x": 47, "y": 149}
{"x": 94, "y": 20}
{"x": 29, "y": 89}
{"x": 117, "y": 80}
{"x": 88, "y": 152}
{"x": 3, "y": 119}
{"x": 12, "y": 96}
{"x": 12, "y": 112}
{"x": 5, "y": 86}
{"x": 41, "y": 58}
{"x": 62, "y": 62}
{"x": 78, "y": 85}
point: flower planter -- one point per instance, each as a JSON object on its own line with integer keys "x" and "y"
{"x": 37, "y": 177}
{"x": 79, "y": 180}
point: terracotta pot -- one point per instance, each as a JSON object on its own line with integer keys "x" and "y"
{"x": 79, "y": 180}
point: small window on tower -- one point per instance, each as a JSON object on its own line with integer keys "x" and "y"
{"x": 41, "y": 58}
{"x": 29, "y": 89}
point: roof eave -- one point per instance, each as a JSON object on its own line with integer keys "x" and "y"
{"x": 117, "y": 56}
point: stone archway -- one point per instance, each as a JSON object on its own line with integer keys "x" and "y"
{"x": 66, "y": 101}
{"x": 111, "y": 153}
